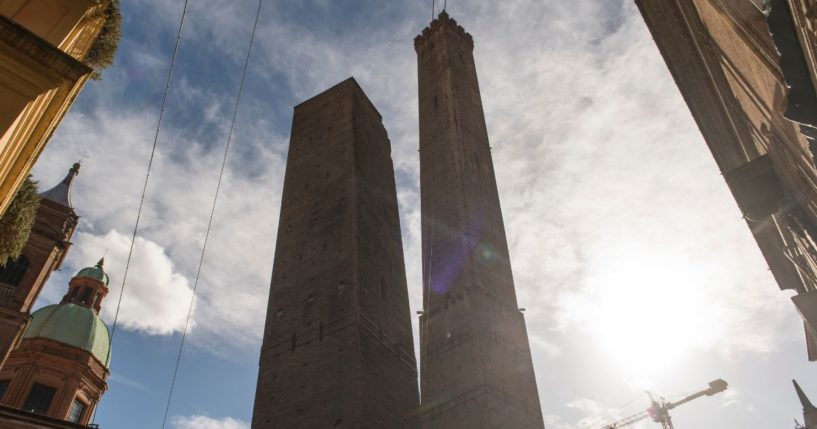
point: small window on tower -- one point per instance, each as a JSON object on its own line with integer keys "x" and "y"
{"x": 76, "y": 411}
{"x": 308, "y": 306}
{"x": 13, "y": 271}
{"x": 86, "y": 295}
{"x": 39, "y": 399}
{"x": 72, "y": 297}
{"x": 4, "y": 385}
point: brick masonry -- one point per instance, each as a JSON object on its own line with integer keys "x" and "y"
{"x": 45, "y": 250}
{"x": 475, "y": 362}
{"x": 338, "y": 349}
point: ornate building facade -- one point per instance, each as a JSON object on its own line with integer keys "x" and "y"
{"x": 747, "y": 71}
{"x": 22, "y": 279}
{"x": 475, "y": 362}
{"x": 55, "y": 360}
{"x": 44, "y": 47}
{"x": 60, "y": 368}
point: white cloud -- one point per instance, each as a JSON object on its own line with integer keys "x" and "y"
{"x": 125, "y": 381}
{"x": 731, "y": 398}
{"x": 156, "y": 297}
{"x": 204, "y": 422}
{"x": 608, "y": 189}
{"x": 590, "y": 414}
{"x": 232, "y": 293}
{"x": 594, "y": 413}
{"x": 555, "y": 422}
{"x": 548, "y": 347}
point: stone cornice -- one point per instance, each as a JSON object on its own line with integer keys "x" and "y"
{"x": 8, "y": 414}
{"x": 40, "y": 51}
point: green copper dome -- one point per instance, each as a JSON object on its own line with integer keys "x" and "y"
{"x": 95, "y": 272}
{"x": 73, "y": 325}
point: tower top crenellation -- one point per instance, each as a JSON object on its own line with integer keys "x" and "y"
{"x": 443, "y": 23}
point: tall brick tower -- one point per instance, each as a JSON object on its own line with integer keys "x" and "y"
{"x": 338, "y": 349}
{"x": 475, "y": 363}
{"x": 22, "y": 279}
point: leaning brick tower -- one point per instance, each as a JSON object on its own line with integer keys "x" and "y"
{"x": 475, "y": 362}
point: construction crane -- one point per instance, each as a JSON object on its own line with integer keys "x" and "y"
{"x": 659, "y": 408}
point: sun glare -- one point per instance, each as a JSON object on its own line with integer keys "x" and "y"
{"x": 650, "y": 311}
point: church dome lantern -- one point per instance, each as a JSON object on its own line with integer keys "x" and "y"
{"x": 88, "y": 287}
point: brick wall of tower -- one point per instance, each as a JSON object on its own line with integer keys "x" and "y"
{"x": 45, "y": 249}
{"x": 338, "y": 350}
{"x": 476, "y": 368}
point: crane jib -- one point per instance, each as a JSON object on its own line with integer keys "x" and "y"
{"x": 659, "y": 409}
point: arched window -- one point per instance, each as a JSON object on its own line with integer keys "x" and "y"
{"x": 13, "y": 271}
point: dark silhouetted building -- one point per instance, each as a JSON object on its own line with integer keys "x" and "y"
{"x": 338, "y": 349}
{"x": 747, "y": 71}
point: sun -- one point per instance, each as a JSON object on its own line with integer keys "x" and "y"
{"x": 650, "y": 311}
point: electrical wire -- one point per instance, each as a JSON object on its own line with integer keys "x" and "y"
{"x": 147, "y": 178}
{"x": 212, "y": 213}
{"x": 150, "y": 167}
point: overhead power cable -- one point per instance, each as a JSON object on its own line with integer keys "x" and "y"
{"x": 212, "y": 213}
{"x": 150, "y": 167}
{"x": 147, "y": 175}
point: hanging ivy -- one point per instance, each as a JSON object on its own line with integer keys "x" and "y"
{"x": 16, "y": 222}
{"x": 103, "y": 51}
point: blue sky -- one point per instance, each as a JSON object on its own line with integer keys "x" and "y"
{"x": 628, "y": 251}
